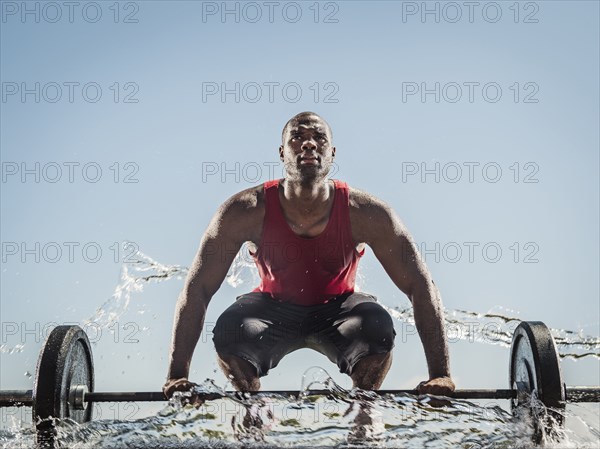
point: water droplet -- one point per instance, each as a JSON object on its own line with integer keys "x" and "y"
{"x": 28, "y": 374}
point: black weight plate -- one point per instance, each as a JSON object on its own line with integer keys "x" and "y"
{"x": 65, "y": 360}
{"x": 535, "y": 369}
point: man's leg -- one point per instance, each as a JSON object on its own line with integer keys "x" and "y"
{"x": 357, "y": 334}
{"x": 243, "y": 376}
{"x": 370, "y": 371}
{"x": 252, "y": 335}
{"x": 368, "y": 374}
{"x": 242, "y": 373}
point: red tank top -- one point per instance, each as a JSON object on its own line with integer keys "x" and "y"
{"x": 306, "y": 270}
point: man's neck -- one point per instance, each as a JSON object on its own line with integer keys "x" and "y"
{"x": 306, "y": 196}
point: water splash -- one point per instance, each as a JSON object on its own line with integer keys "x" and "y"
{"x": 496, "y": 327}
{"x": 7, "y": 349}
{"x": 242, "y": 264}
{"x": 136, "y": 272}
{"x": 330, "y": 420}
{"x": 317, "y": 378}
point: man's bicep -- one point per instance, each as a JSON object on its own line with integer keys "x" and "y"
{"x": 218, "y": 248}
{"x": 395, "y": 249}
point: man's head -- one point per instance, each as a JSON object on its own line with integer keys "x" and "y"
{"x": 305, "y": 118}
{"x": 306, "y": 148}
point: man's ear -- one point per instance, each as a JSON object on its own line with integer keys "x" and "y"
{"x": 332, "y": 152}
{"x": 281, "y": 152}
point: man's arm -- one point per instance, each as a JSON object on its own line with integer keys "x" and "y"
{"x": 218, "y": 247}
{"x": 397, "y": 253}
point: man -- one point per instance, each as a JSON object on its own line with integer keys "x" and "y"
{"x": 306, "y": 234}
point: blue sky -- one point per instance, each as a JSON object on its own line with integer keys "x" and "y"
{"x": 533, "y": 114}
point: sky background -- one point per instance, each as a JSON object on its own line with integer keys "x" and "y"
{"x": 158, "y": 131}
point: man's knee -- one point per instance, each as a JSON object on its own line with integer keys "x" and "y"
{"x": 228, "y": 331}
{"x": 225, "y": 330}
{"x": 377, "y": 326}
{"x": 243, "y": 373}
{"x": 235, "y": 329}
{"x": 238, "y": 366}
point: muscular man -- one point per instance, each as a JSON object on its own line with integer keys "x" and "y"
{"x": 307, "y": 234}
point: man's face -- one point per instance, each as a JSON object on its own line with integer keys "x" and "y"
{"x": 306, "y": 151}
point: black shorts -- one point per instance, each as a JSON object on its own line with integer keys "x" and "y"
{"x": 262, "y": 330}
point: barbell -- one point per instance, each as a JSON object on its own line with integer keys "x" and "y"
{"x": 64, "y": 383}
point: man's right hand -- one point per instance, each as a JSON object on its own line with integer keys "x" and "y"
{"x": 182, "y": 384}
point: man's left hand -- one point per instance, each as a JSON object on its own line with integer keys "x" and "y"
{"x": 440, "y": 386}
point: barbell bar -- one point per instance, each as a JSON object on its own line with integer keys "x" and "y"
{"x": 64, "y": 383}
{"x": 78, "y": 396}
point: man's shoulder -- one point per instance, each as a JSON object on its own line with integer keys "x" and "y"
{"x": 369, "y": 215}
{"x": 246, "y": 201}
{"x": 241, "y": 214}
{"x": 361, "y": 201}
